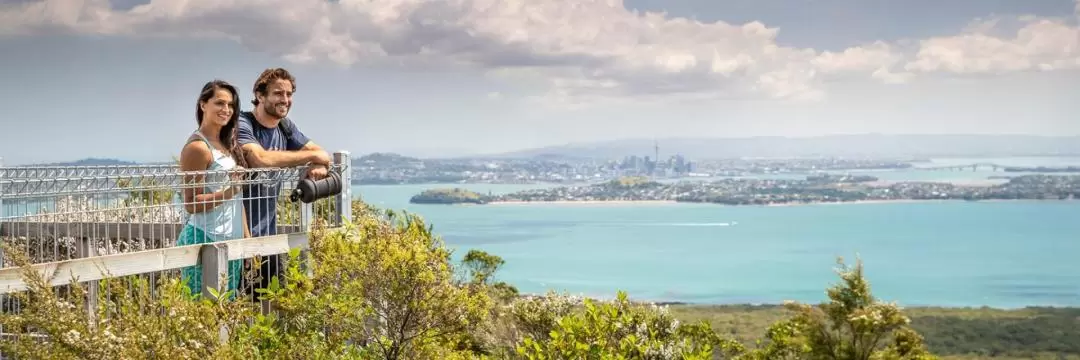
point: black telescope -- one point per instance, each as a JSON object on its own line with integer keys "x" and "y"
{"x": 308, "y": 190}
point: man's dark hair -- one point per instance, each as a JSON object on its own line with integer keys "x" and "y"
{"x": 268, "y": 76}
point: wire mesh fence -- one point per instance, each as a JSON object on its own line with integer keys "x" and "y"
{"x": 55, "y": 213}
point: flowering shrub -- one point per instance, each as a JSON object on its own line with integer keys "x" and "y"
{"x": 622, "y": 330}
{"x": 852, "y": 325}
{"x": 130, "y": 321}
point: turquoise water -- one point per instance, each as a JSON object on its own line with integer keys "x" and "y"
{"x": 1000, "y": 254}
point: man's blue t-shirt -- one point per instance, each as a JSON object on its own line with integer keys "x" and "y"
{"x": 260, "y": 200}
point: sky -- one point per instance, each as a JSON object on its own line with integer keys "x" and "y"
{"x": 119, "y": 79}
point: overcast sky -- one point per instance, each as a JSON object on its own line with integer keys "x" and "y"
{"x": 119, "y": 78}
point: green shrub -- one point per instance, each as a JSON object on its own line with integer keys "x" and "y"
{"x": 622, "y": 330}
{"x": 853, "y": 325}
{"x": 130, "y": 321}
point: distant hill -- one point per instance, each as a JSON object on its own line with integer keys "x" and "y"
{"x": 383, "y": 159}
{"x": 868, "y": 145}
{"x": 90, "y": 162}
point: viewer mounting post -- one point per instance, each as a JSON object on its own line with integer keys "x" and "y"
{"x": 1, "y": 213}
{"x": 343, "y": 207}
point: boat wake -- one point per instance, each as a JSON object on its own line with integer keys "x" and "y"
{"x": 695, "y": 224}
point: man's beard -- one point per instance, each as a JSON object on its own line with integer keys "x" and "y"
{"x": 272, "y": 110}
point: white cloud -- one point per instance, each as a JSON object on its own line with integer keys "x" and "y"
{"x": 1039, "y": 44}
{"x": 583, "y": 49}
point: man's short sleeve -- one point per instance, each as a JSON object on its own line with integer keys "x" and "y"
{"x": 297, "y": 140}
{"x": 245, "y": 134}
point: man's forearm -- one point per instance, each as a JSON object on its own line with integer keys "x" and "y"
{"x": 284, "y": 158}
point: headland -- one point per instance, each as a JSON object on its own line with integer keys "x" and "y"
{"x": 814, "y": 189}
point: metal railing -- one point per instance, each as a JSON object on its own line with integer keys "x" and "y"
{"x": 93, "y": 222}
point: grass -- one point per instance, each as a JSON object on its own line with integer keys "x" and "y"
{"x": 952, "y": 333}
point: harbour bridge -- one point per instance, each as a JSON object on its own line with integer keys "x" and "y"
{"x": 964, "y": 167}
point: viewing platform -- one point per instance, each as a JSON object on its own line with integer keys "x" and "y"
{"x": 98, "y": 222}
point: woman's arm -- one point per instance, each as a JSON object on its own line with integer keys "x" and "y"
{"x": 247, "y": 230}
{"x": 196, "y": 156}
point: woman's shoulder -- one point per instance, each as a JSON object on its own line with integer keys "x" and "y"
{"x": 196, "y": 148}
{"x": 196, "y": 143}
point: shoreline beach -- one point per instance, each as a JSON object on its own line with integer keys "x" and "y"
{"x": 588, "y": 202}
{"x": 671, "y": 202}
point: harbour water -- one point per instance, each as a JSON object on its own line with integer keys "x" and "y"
{"x": 1001, "y": 254}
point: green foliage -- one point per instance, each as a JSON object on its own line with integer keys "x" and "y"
{"x": 481, "y": 266}
{"x": 130, "y": 320}
{"x": 383, "y": 288}
{"x": 147, "y": 191}
{"x": 449, "y": 196}
{"x": 536, "y": 317}
{"x": 952, "y": 333}
{"x": 622, "y": 330}
{"x": 288, "y": 212}
{"x": 404, "y": 275}
{"x": 1022, "y": 333}
{"x": 853, "y": 325}
{"x": 308, "y": 322}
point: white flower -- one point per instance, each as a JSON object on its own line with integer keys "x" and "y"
{"x": 72, "y": 336}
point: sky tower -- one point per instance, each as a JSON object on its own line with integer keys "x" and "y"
{"x": 656, "y": 156}
{"x": 656, "y": 150}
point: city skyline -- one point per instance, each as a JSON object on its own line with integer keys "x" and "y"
{"x": 117, "y": 79}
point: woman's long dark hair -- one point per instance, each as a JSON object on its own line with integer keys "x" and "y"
{"x": 228, "y": 132}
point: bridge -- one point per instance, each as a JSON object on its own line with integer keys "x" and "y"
{"x": 972, "y": 167}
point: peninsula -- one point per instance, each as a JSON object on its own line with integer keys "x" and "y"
{"x": 812, "y": 189}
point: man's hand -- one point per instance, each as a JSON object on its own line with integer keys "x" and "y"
{"x": 321, "y": 158}
{"x": 317, "y": 172}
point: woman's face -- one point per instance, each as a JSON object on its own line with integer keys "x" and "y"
{"x": 218, "y": 109}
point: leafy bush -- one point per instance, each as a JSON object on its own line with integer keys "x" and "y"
{"x": 130, "y": 321}
{"x": 622, "y": 330}
{"x": 853, "y": 325}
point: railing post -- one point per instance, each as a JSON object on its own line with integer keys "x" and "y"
{"x": 2, "y": 265}
{"x": 306, "y": 218}
{"x": 343, "y": 201}
{"x": 3, "y": 297}
{"x": 86, "y": 248}
{"x": 214, "y": 261}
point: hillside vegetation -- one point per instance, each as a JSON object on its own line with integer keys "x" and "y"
{"x": 449, "y": 196}
{"x": 385, "y": 288}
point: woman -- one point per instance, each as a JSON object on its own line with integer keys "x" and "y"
{"x": 211, "y": 194}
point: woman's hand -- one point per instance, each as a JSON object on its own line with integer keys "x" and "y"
{"x": 237, "y": 173}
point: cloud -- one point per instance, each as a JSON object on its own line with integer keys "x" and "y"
{"x": 1037, "y": 44}
{"x": 583, "y": 50}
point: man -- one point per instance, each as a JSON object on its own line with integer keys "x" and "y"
{"x": 269, "y": 139}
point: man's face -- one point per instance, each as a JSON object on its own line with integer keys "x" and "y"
{"x": 278, "y": 98}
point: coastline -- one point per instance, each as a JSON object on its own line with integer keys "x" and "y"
{"x": 782, "y": 193}
{"x": 580, "y": 298}
{"x": 672, "y": 202}
{"x": 587, "y": 202}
